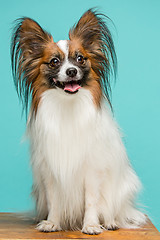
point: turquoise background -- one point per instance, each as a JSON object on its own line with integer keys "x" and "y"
{"x": 136, "y": 98}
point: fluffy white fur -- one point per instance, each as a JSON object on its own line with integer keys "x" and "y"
{"x": 82, "y": 176}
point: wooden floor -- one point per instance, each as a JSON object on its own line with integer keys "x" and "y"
{"x": 13, "y": 227}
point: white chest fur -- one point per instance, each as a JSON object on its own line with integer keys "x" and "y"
{"x": 63, "y": 131}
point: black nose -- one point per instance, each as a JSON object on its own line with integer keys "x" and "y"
{"x": 71, "y": 72}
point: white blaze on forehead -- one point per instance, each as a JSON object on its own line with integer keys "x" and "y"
{"x": 63, "y": 45}
{"x": 62, "y": 76}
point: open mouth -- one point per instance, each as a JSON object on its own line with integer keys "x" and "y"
{"x": 69, "y": 87}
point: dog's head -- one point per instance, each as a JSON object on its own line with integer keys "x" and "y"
{"x": 84, "y": 61}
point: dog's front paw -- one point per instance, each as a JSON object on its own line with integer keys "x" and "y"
{"x": 47, "y": 226}
{"x": 92, "y": 229}
{"x": 112, "y": 227}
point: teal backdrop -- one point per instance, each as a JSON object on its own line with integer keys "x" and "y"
{"x": 136, "y": 94}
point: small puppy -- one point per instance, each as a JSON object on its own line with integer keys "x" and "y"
{"x": 81, "y": 173}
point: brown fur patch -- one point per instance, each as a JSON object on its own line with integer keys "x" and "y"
{"x": 40, "y": 84}
{"x": 93, "y": 85}
{"x": 93, "y": 82}
{"x": 28, "y": 43}
{"x": 50, "y": 51}
{"x": 96, "y": 39}
{"x": 31, "y": 48}
{"x": 75, "y": 45}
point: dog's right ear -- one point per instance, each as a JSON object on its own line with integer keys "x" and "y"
{"x": 29, "y": 41}
{"x": 30, "y": 37}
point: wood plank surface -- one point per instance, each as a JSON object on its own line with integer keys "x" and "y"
{"x": 12, "y": 226}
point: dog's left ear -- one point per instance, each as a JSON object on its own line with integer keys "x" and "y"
{"x": 94, "y": 35}
{"x": 92, "y": 31}
{"x": 87, "y": 30}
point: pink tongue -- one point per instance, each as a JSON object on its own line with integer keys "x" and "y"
{"x": 72, "y": 87}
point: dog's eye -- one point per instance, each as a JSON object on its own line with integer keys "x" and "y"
{"x": 80, "y": 59}
{"x": 54, "y": 62}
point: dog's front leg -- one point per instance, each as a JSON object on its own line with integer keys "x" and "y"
{"x": 91, "y": 223}
{"x": 52, "y": 224}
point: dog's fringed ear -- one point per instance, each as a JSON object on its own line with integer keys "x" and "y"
{"x": 87, "y": 29}
{"x": 29, "y": 36}
{"x": 96, "y": 38}
{"x": 27, "y": 47}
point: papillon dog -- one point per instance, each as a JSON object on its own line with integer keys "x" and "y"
{"x": 82, "y": 178}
